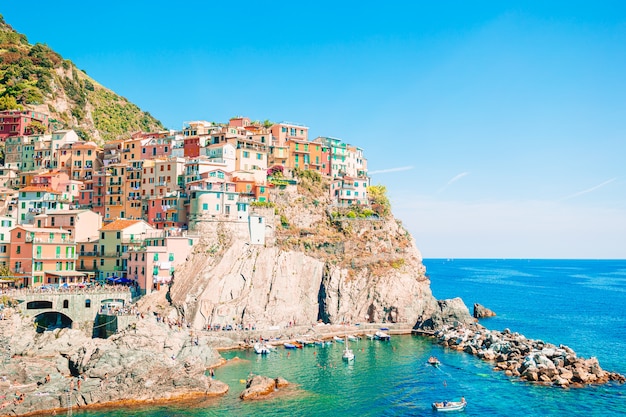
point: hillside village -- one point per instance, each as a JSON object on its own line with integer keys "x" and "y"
{"x": 73, "y": 212}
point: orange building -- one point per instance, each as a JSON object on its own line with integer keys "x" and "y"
{"x": 43, "y": 255}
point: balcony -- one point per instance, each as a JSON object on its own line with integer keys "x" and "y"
{"x": 85, "y": 253}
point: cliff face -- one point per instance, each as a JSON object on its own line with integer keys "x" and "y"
{"x": 311, "y": 268}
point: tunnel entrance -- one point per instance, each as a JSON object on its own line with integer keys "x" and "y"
{"x": 52, "y": 320}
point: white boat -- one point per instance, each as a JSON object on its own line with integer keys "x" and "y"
{"x": 450, "y": 405}
{"x": 380, "y": 335}
{"x": 348, "y": 355}
{"x": 337, "y": 339}
{"x": 370, "y": 336}
{"x": 261, "y": 348}
{"x": 353, "y": 338}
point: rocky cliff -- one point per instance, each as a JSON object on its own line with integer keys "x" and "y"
{"x": 318, "y": 263}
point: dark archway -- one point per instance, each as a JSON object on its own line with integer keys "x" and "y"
{"x": 52, "y": 320}
{"x": 38, "y": 305}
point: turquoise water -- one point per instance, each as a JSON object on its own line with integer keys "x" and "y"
{"x": 578, "y": 303}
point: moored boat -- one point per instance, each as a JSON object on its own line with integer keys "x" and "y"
{"x": 337, "y": 339}
{"x": 289, "y": 345}
{"x": 261, "y": 348}
{"x": 380, "y": 335}
{"x": 348, "y": 354}
{"x": 353, "y": 338}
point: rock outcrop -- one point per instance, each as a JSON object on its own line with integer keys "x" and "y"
{"x": 148, "y": 364}
{"x": 481, "y": 311}
{"x": 259, "y": 387}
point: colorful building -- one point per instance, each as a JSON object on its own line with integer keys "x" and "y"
{"x": 17, "y": 122}
{"x": 43, "y": 255}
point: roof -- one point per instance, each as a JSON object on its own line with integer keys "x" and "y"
{"x": 29, "y": 228}
{"x": 31, "y": 188}
{"x": 119, "y": 224}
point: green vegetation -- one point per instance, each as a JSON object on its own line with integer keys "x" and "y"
{"x": 378, "y": 199}
{"x": 264, "y": 204}
{"x": 32, "y": 75}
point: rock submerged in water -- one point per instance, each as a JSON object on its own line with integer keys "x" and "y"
{"x": 527, "y": 359}
{"x": 259, "y": 387}
{"x": 481, "y": 311}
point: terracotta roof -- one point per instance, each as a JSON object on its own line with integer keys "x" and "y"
{"x": 31, "y": 188}
{"x": 120, "y": 224}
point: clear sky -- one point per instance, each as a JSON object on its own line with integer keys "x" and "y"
{"x": 498, "y": 127}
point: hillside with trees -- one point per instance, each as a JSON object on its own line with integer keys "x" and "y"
{"x": 35, "y": 77}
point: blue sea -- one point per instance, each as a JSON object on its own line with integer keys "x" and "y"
{"x": 579, "y": 303}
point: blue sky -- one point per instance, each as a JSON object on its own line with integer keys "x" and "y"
{"x": 499, "y": 128}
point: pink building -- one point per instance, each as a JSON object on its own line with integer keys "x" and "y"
{"x": 16, "y": 122}
{"x": 155, "y": 263}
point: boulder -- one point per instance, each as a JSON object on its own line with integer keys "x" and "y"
{"x": 481, "y": 311}
{"x": 258, "y": 387}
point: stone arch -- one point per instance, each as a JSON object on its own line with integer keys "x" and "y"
{"x": 51, "y": 320}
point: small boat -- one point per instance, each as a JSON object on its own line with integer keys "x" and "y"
{"x": 348, "y": 355}
{"x": 450, "y": 405}
{"x": 319, "y": 342}
{"x": 337, "y": 339}
{"x": 289, "y": 345}
{"x": 261, "y": 348}
{"x": 370, "y": 336}
{"x": 353, "y": 338}
{"x": 434, "y": 361}
{"x": 380, "y": 335}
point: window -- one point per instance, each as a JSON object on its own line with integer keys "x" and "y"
{"x": 88, "y": 303}
{"x": 246, "y": 154}
{"x": 205, "y": 206}
{"x": 171, "y": 257}
{"x": 66, "y": 303}
{"x": 18, "y": 249}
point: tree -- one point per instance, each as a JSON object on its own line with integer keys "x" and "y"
{"x": 9, "y": 103}
{"x": 36, "y": 127}
{"x": 378, "y": 198}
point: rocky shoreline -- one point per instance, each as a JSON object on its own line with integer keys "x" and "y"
{"x": 529, "y": 360}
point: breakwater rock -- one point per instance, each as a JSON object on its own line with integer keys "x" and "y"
{"x": 56, "y": 370}
{"x": 527, "y": 359}
{"x": 258, "y": 387}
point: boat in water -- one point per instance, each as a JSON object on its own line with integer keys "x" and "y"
{"x": 261, "y": 349}
{"x": 353, "y": 338}
{"x": 380, "y": 335}
{"x": 337, "y": 339}
{"x": 289, "y": 345}
{"x": 434, "y": 361}
{"x": 348, "y": 354}
{"x": 450, "y": 405}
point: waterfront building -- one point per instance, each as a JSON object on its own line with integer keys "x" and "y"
{"x": 154, "y": 263}
{"x": 43, "y": 255}
{"x": 114, "y": 242}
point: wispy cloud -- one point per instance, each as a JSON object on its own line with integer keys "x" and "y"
{"x": 588, "y": 190}
{"x": 388, "y": 170}
{"x": 452, "y": 180}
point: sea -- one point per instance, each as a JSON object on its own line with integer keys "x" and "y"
{"x": 578, "y": 303}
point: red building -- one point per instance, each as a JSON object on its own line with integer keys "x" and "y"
{"x": 16, "y": 122}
